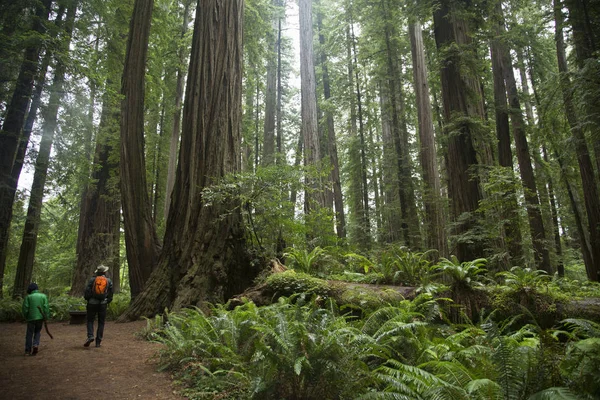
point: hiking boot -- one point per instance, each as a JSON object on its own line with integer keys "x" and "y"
{"x": 97, "y": 344}
{"x": 35, "y": 351}
{"x": 88, "y": 342}
{"x": 27, "y": 352}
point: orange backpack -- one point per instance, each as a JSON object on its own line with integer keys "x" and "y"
{"x": 100, "y": 288}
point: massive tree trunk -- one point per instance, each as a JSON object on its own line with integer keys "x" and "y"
{"x": 11, "y": 132}
{"x": 50, "y": 114}
{"x": 141, "y": 240}
{"x": 586, "y": 169}
{"x": 462, "y": 111}
{"x": 205, "y": 256}
{"x": 510, "y": 212}
{"x": 174, "y": 143}
{"x": 434, "y": 210}
{"x": 340, "y": 219}
{"x": 100, "y": 219}
{"x": 313, "y": 198}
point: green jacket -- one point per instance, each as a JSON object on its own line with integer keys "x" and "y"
{"x": 31, "y": 303}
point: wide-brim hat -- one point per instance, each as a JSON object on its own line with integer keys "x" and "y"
{"x": 101, "y": 268}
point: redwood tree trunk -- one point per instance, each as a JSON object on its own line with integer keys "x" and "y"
{"x": 29, "y": 242}
{"x": 101, "y": 218}
{"x": 141, "y": 240}
{"x": 509, "y": 210}
{"x": 10, "y": 134}
{"x": 340, "y": 219}
{"x": 174, "y": 143}
{"x": 586, "y": 169}
{"x": 436, "y": 221}
{"x": 271, "y": 93}
{"x": 310, "y": 131}
{"x": 205, "y": 257}
{"x": 461, "y": 99}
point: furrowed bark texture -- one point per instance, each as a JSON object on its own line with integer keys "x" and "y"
{"x": 436, "y": 221}
{"x": 205, "y": 256}
{"x": 140, "y": 234}
{"x": 462, "y": 109}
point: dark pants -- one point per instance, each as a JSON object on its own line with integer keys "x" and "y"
{"x": 92, "y": 310}
{"x": 34, "y": 329}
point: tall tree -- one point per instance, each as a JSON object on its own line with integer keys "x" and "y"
{"x": 205, "y": 256}
{"x": 536, "y": 225}
{"x": 586, "y": 170}
{"x": 11, "y": 131}
{"x": 174, "y": 143}
{"x": 463, "y": 111}
{"x": 313, "y": 198}
{"x": 434, "y": 211}
{"x": 334, "y": 176}
{"x": 50, "y": 114}
{"x": 271, "y": 92}
{"x": 142, "y": 243}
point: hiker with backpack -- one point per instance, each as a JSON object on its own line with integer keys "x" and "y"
{"x": 35, "y": 308}
{"x": 99, "y": 294}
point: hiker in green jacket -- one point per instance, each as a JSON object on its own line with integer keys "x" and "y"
{"x": 35, "y": 307}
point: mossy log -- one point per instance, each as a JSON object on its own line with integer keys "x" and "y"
{"x": 288, "y": 283}
{"x": 284, "y": 282}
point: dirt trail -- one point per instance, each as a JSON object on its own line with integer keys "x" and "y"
{"x": 123, "y": 368}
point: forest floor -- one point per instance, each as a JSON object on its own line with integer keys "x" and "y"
{"x": 123, "y": 368}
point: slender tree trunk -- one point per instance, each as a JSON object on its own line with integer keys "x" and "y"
{"x": 340, "y": 219}
{"x": 436, "y": 222}
{"x": 174, "y": 143}
{"x": 560, "y": 266}
{"x": 410, "y": 222}
{"x": 279, "y": 112}
{"x": 205, "y": 258}
{"x": 271, "y": 93}
{"x": 391, "y": 207}
{"x": 141, "y": 240}
{"x": 29, "y": 242}
{"x": 462, "y": 100}
{"x": 510, "y": 210}
{"x": 11, "y": 132}
{"x": 590, "y": 188}
{"x": 366, "y": 219}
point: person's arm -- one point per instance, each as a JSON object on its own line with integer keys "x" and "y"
{"x": 26, "y": 307}
{"x": 87, "y": 294}
{"x": 109, "y": 297}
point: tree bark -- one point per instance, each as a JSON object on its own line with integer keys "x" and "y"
{"x": 271, "y": 92}
{"x": 586, "y": 169}
{"x": 510, "y": 210}
{"x": 313, "y": 199}
{"x": 205, "y": 256}
{"x": 29, "y": 242}
{"x": 340, "y": 219}
{"x": 174, "y": 143}
{"x": 141, "y": 240}
{"x": 436, "y": 221}
{"x": 11, "y": 132}
{"x": 462, "y": 101}
{"x": 100, "y": 219}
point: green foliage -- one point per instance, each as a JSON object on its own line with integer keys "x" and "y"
{"x": 61, "y": 305}
{"x": 118, "y": 305}
{"x": 580, "y": 366}
{"x": 10, "y": 310}
{"x": 291, "y": 349}
{"x": 401, "y": 266}
{"x": 303, "y": 260}
{"x": 525, "y": 279}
